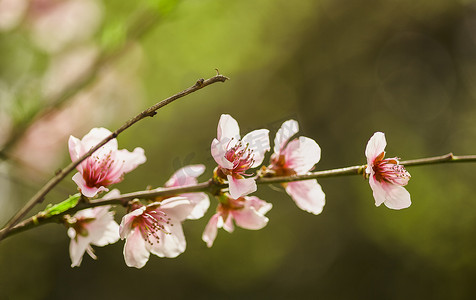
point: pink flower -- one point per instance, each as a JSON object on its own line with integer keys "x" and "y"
{"x": 104, "y": 167}
{"x": 235, "y": 156}
{"x": 248, "y": 213}
{"x": 386, "y": 176}
{"x": 298, "y": 157}
{"x": 92, "y": 226}
{"x": 155, "y": 228}
{"x": 188, "y": 176}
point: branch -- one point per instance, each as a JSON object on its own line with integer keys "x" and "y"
{"x": 212, "y": 187}
{"x": 150, "y": 112}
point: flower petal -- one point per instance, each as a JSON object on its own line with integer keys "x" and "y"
{"x": 218, "y": 150}
{"x": 200, "y": 202}
{"x": 170, "y": 245}
{"x": 302, "y": 154}
{"x": 112, "y": 194}
{"x": 126, "y": 223}
{"x": 210, "y": 232}
{"x": 258, "y": 204}
{"x": 177, "y": 208}
{"x": 97, "y": 135}
{"x": 227, "y": 128}
{"x": 249, "y": 218}
{"x": 75, "y": 148}
{"x": 308, "y": 195}
{"x": 258, "y": 142}
{"x": 109, "y": 233}
{"x": 228, "y": 224}
{"x": 392, "y": 195}
{"x": 287, "y": 130}
{"x": 241, "y": 187}
{"x": 375, "y": 146}
{"x": 185, "y": 176}
{"x": 131, "y": 159}
{"x": 77, "y": 247}
{"x": 135, "y": 250}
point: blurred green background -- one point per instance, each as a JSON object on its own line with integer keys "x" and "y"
{"x": 343, "y": 69}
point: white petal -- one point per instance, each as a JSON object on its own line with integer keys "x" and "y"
{"x": 77, "y": 249}
{"x": 126, "y": 222}
{"x": 97, "y": 135}
{"x": 259, "y": 205}
{"x": 308, "y": 195}
{"x": 177, "y": 208}
{"x": 392, "y": 195}
{"x": 130, "y": 160}
{"x": 378, "y": 191}
{"x": 228, "y": 128}
{"x": 398, "y": 198}
{"x": 200, "y": 202}
{"x": 135, "y": 250}
{"x": 170, "y": 245}
{"x": 241, "y": 187}
{"x": 302, "y": 154}
{"x": 258, "y": 142}
{"x": 287, "y": 130}
{"x": 109, "y": 234}
{"x": 185, "y": 176}
{"x": 75, "y": 148}
{"x": 210, "y": 232}
{"x": 228, "y": 224}
{"x": 218, "y": 150}
{"x": 112, "y": 194}
{"x": 375, "y": 146}
{"x": 249, "y": 218}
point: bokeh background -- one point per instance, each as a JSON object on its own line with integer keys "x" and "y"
{"x": 343, "y": 69}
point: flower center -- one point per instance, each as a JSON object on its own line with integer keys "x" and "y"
{"x": 151, "y": 223}
{"x": 80, "y": 225}
{"x": 278, "y": 166}
{"x": 241, "y": 156}
{"x": 101, "y": 170}
{"x": 391, "y": 171}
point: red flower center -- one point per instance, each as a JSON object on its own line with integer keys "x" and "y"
{"x": 390, "y": 170}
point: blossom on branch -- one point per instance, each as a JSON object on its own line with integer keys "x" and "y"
{"x": 386, "y": 176}
{"x": 155, "y": 228}
{"x": 235, "y": 156}
{"x": 104, "y": 167}
{"x": 92, "y": 226}
{"x": 248, "y": 213}
{"x": 298, "y": 157}
{"x": 188, "y": 176}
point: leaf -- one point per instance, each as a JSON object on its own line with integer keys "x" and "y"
{"x": 61, "y": 207}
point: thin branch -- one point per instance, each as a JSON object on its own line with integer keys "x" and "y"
{"x": 212, "y": 187}
{"x": 150, "y": 112}
{"x": 447, "y": 158}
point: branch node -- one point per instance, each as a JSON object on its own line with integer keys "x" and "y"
{"x": 200, "y": 82}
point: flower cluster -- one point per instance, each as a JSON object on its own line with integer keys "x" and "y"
{"x": 156, "y": 227}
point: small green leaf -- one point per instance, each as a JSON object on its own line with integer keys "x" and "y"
{"x": 61, "y": 207}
